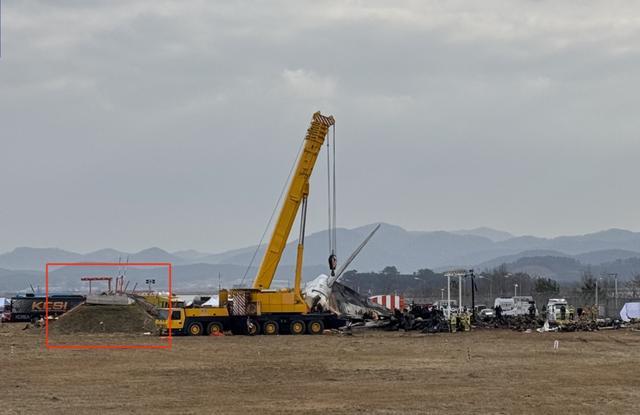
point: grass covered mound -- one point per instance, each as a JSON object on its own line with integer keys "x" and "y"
{"x": 89, "y": 318}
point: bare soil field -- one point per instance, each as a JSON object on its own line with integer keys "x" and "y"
{"x": 497, "y": 372}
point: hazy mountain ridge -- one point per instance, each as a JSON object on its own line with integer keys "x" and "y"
{"x": 493, "y": 234}
{"x": 567, "y": 269}
{"x": 392, "y": 245}
{"x": 35, "y": 259}
{"x": 202, "y": 278}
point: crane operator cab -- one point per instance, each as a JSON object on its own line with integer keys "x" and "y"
{"x": 177, "y": 320}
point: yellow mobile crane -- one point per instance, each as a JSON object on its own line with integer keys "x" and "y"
{"x": 260, "y": 308}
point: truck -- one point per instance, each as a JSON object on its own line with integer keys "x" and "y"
{"x": 515, "y": 306}
{"x": 31, "y": 307}
{"x": 555, "y": 307}
{"x": 260, "y": 309}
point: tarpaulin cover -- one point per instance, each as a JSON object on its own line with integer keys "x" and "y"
{"x": 629, "y": 311}
{"x": 214, "y": 301}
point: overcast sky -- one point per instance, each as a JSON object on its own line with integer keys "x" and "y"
{"x": 131, "y": 124}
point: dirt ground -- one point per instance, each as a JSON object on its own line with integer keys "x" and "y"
{"x": 496, "y": 371}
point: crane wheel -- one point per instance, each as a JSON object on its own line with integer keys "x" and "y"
{"x": 315, "y": 327}
{"x": 214, "y": 328}
{"x": 270, "y": 328}
{"x": 297, "y": 327}
{"x": 195, "y": 329}
{"x": 253, "y": 327}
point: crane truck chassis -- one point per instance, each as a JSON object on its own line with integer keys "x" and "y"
{"x": 195, "y": 321}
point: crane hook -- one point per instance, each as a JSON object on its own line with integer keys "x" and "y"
{"x": 333, "y": 263}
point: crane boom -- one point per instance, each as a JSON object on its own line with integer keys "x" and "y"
{"x": 297, "y": 192}
{"x": 260, "y": 309}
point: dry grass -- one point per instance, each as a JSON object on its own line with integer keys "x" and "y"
{"x": 479, "y": 372}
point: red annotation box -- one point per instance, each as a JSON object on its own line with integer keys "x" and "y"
{"x": 105, "y": 264}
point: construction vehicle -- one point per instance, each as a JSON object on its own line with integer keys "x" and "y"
{"x": 260, "y": 309}
{"x": 162, "y": 300}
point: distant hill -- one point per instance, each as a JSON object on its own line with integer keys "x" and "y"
{"x": 190, "y": 254}
{"x": 392, "y": 245}
{"x": 567, "y": 268}
{"x": 559, "y": 268}
{"x": 625, "y": 268}
{"x": 24, "y": 258}
{"x": 605, "y": 255}
{"x": 12, "y": 281}
{"x": 488, "y": 233}
{"x": 407, "y": 250}
{"x": 506, "y": 259}
{"x": 598, "y": 241}
{"x": 35, "y": 259}
{"x": 185, "y": 278}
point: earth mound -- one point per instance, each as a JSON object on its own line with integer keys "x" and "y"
{"x": 89, "y": 318}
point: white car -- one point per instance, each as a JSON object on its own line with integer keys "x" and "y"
{"x": 487, "y": 313}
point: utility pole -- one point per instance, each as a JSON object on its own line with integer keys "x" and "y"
{"x": 597, "y": 304}
{"x": 459, "y": 274}
{"x": 448, "y": 296}
{"x": 615, "y": 286}
{"x": 473, "y": 294}
{"x": 459, "y": 292}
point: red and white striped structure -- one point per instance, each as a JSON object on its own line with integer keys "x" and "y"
{"x": 390, "y": 301}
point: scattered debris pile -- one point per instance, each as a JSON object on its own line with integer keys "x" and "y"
{"x": 634, "y": 324}
{"x": 579, "y": 325}
{"x": 89, "y": 318}
{"x": 518, "y": 323}
{"x": 524, "y": 323}
{"x": 424, "y": 319}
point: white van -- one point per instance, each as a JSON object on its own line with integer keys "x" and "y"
{"x": 554, "y": 309}
{"x": 515, "y": 306}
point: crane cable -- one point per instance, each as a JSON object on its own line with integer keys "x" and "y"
{"x": 331, "y": 201}
{"x": 275, "y": 208}
{"x": 335, "y": 231}
{"x": 329, "y": 218}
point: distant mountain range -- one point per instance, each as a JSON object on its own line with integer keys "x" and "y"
{"x": 563, "y": 258}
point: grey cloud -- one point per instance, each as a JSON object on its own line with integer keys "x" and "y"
{"x": 174, "y": 123}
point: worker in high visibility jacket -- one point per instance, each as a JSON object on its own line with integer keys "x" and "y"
{"x": 466, "y": 321}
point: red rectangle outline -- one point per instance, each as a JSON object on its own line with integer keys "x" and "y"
{"x": 103, "y": 346}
